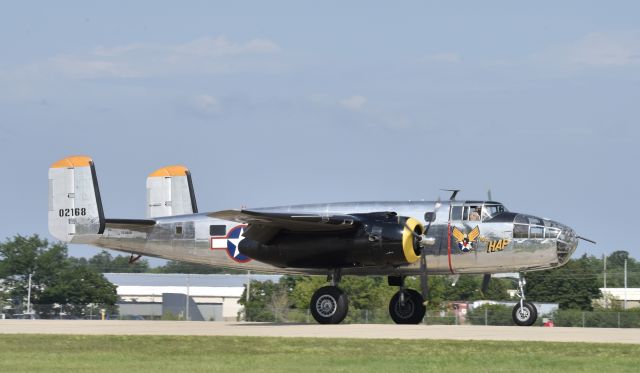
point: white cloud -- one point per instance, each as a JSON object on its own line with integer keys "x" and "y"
{"x": 444, "y": 57}
{"x": 355, "y": 103}
{"x": 206, "y": 104}
{"x": 90, "y": 67}
{"x": 207, "y": 55}
{"x": 598, "y": 49}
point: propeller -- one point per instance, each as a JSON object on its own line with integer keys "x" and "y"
{"x": 423, "y": 240}
{"x": 486, "y": 278}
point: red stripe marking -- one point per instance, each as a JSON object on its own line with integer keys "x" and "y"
{"x": 449, "y": 245}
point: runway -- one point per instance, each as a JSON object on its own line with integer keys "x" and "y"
{"x": 363, "y": 331}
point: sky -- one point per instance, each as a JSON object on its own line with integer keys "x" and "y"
{"x": 285, "y": 102}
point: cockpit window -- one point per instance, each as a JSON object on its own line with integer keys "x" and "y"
{"x": 489, "y": 211}
{"x": 456, "y": 213}
{"x": 476, "y": 211}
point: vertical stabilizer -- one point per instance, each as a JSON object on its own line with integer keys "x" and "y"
{"x": 75, "y": 208}
{"x": 170, "y": 192}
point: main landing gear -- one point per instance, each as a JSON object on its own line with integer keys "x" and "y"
{"x": 524, "y": 313}
{"x": 407, "y": 305}
{"x": 329, "y": 304}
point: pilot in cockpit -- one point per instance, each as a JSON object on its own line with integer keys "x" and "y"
{"x": 475, "y": 214}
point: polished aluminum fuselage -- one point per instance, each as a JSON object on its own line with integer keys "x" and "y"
{"x": 496, "y": 249}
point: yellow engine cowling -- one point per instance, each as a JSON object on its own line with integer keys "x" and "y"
{"x": 410, "y": 245}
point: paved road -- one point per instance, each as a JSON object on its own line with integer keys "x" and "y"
{"x": 497, "y": 333}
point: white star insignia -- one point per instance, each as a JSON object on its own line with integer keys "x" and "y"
{"x": 236, "y": 242}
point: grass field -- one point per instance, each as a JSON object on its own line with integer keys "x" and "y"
{"x": 63, "y": 353}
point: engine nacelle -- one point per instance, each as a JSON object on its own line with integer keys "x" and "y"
{"x": 381, "y": 239}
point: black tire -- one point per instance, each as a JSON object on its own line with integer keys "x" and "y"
{"x": 413, "y": 310}
{"x": 329, "y": 305}
{"x": 525, "y": 316}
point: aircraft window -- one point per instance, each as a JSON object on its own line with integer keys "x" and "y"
{"x": 179, "y": 230}
{"x": 474, "y": 212}
{"x": 536, "y": 232}
{"x": 551, "y": 232}
{"x": 534, "y": 220}
{"x": 521, "y": 219}
{"x": 490, "y": 211}
{"x": 456, "y": 213}
{"x": 520, "y": 231}
{"x": 465, "y": 213}
{"x": 217, "y": 230}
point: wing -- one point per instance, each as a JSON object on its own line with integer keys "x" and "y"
{"x": 473, "y": 235}
{"x": 458, "y": 234}
{"x": 263, "y": 226}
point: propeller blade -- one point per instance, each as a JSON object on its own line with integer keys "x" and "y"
{"x": 424, "y": 283}
{"x": 436, "y": 207}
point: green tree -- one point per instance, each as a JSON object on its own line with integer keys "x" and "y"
{"x": 173, "y": 266}
{"x": 615, "y": 270}
{"x": 55, "y": 278}
{"x": 22, "y": 256}
{"x": 303, "y": 289}
{"x": 573, "y": 286}
{"x": 266, "y": 300}
{"x": 104, "y": 262}
{"x": 75, "y": 288}
{"x": 497, "y": 289}
{"x": 467, "y": 288}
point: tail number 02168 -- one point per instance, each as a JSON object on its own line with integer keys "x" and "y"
{"x": 72, "y": 212}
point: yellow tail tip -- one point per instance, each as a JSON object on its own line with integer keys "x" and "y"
{"x": 176, "y": 170}
{"x": 73, "y": 161}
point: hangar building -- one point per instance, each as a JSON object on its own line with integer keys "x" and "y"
{"x": 210, "y": 297}
{"x": 618, "y": 295}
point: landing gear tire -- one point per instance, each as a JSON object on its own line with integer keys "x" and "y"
{"x": 329, "y": 305}
{"x": 411, "y": 312}
{"x": 524, "y": 315}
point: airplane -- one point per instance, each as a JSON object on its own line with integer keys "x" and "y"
{"x": 392, "y": 239}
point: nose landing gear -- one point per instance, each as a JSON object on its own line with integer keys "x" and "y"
{"x": 524, "y": 313}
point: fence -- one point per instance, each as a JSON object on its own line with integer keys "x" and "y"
{"x": 495, "y": 315}
{"x": 484, "y": 315}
